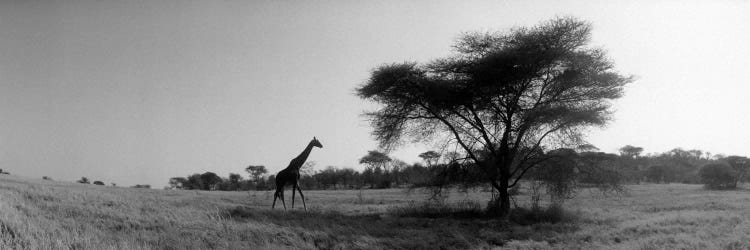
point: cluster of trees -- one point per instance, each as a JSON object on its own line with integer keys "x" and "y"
{"x": 580, "y": 165}
{"x": 381, "y": 171}
{"x": 234, "y": 182}
{"x": 683, "y": 166}
{"x": 561, "y": 173}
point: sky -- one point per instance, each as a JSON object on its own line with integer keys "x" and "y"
{"x": 135, "y": 92}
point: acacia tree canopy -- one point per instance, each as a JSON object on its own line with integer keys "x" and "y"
{"x": 256, "y": 171}
{"x": 501, "y": 97}
{"x": 430, "y": 157}
{"x": 631, "y": 151}
{"x": 375, "y": 159}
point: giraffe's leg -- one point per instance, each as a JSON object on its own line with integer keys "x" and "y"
{"x": 278, "y": 194}
{"x": 303, "y": 197}
{"x": 275, "y": 194}
{"x": 282, "y": 199}
{"x": 293, "y": 188}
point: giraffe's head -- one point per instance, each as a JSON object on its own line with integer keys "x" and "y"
{"x": 316, "y": 143}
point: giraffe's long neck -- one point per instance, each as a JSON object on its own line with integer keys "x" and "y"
{"x": 303, "y": 156}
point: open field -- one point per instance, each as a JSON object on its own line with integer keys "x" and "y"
{"x": 37, "y": 214}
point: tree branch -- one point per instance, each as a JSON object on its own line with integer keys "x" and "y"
{"x": 453, "y": 130}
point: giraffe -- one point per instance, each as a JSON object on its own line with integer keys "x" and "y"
{"x": 290, "y": 175}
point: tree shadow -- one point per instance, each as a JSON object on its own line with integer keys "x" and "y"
{"x": 398, "y": 230}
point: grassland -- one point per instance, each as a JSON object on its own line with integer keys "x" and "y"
{"x": 37, "y": 214}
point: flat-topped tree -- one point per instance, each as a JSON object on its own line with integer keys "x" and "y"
{"x": 430, "y": 157}
{"x": 501, "y": 95}
{"x": 376, "y": 159}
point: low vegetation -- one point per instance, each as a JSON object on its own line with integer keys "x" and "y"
{"x": 719, "y": 176}
{"x": 44, "y": 214}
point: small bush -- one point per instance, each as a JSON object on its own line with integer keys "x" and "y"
{"x": 718, "y": 176}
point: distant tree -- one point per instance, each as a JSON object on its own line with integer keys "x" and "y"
{"x": 695, "y": 153}
{"x": 558, "y": 174}
{"x": 368, "y": 177}
{"x": 679, "y": 153}
{"x": 397, "y": 171}
{"x": 375, "y": 159}
{"x": 271, "y": 181}
{"x": 147, "y": 186}
{"x": 381, "y": 178}
{"x": 84, "y": 180}
{"x": 209, "y": 180}
{"x": 680, "y": 165}
{"x": 178, "y": 183}
{"x": 100, "y": 183}
{"x": 328, "y": 177}
{"x": 256, "y": 171}
{"x": 114, "y": 184}
{"x": 631, "y": 151}
{"x": 718, "y": 176}
{"x": 566, "y": 170}
{"x": 600, "y": 169}
{"x": 430, "y": 157}
{"x": 46, "y": 178}
{"x": 308, "y": 168}
{"x": 657, "y": 174}
{"x": 586, "y": 148}
{"x": 740, "y": 164}
{"x": 194, "y": 181}
{"x": 263, "y": 184}
{"x": 234, "y": 181}
{"x": 502, "y": 95}
{"x": 416, "y": 175}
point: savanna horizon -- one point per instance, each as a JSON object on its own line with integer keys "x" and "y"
{"x": 39, "y": 214}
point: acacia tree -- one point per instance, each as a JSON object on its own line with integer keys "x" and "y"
{"x": 631, "y": 151}
{"x": 375, "y": 159}
{"x": 430, "y": 157}
{"x": 209, "y": 180}
{"x": 256, "y": 171}
{"x": 501, "y": 98}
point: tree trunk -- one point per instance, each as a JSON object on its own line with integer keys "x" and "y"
{"x": 500, "y": 205}
{"x": 504, "y": 198}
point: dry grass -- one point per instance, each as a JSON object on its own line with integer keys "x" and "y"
{"x": 37, "y": 214}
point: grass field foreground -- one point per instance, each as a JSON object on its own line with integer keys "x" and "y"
{"x": 37, "y": 214}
